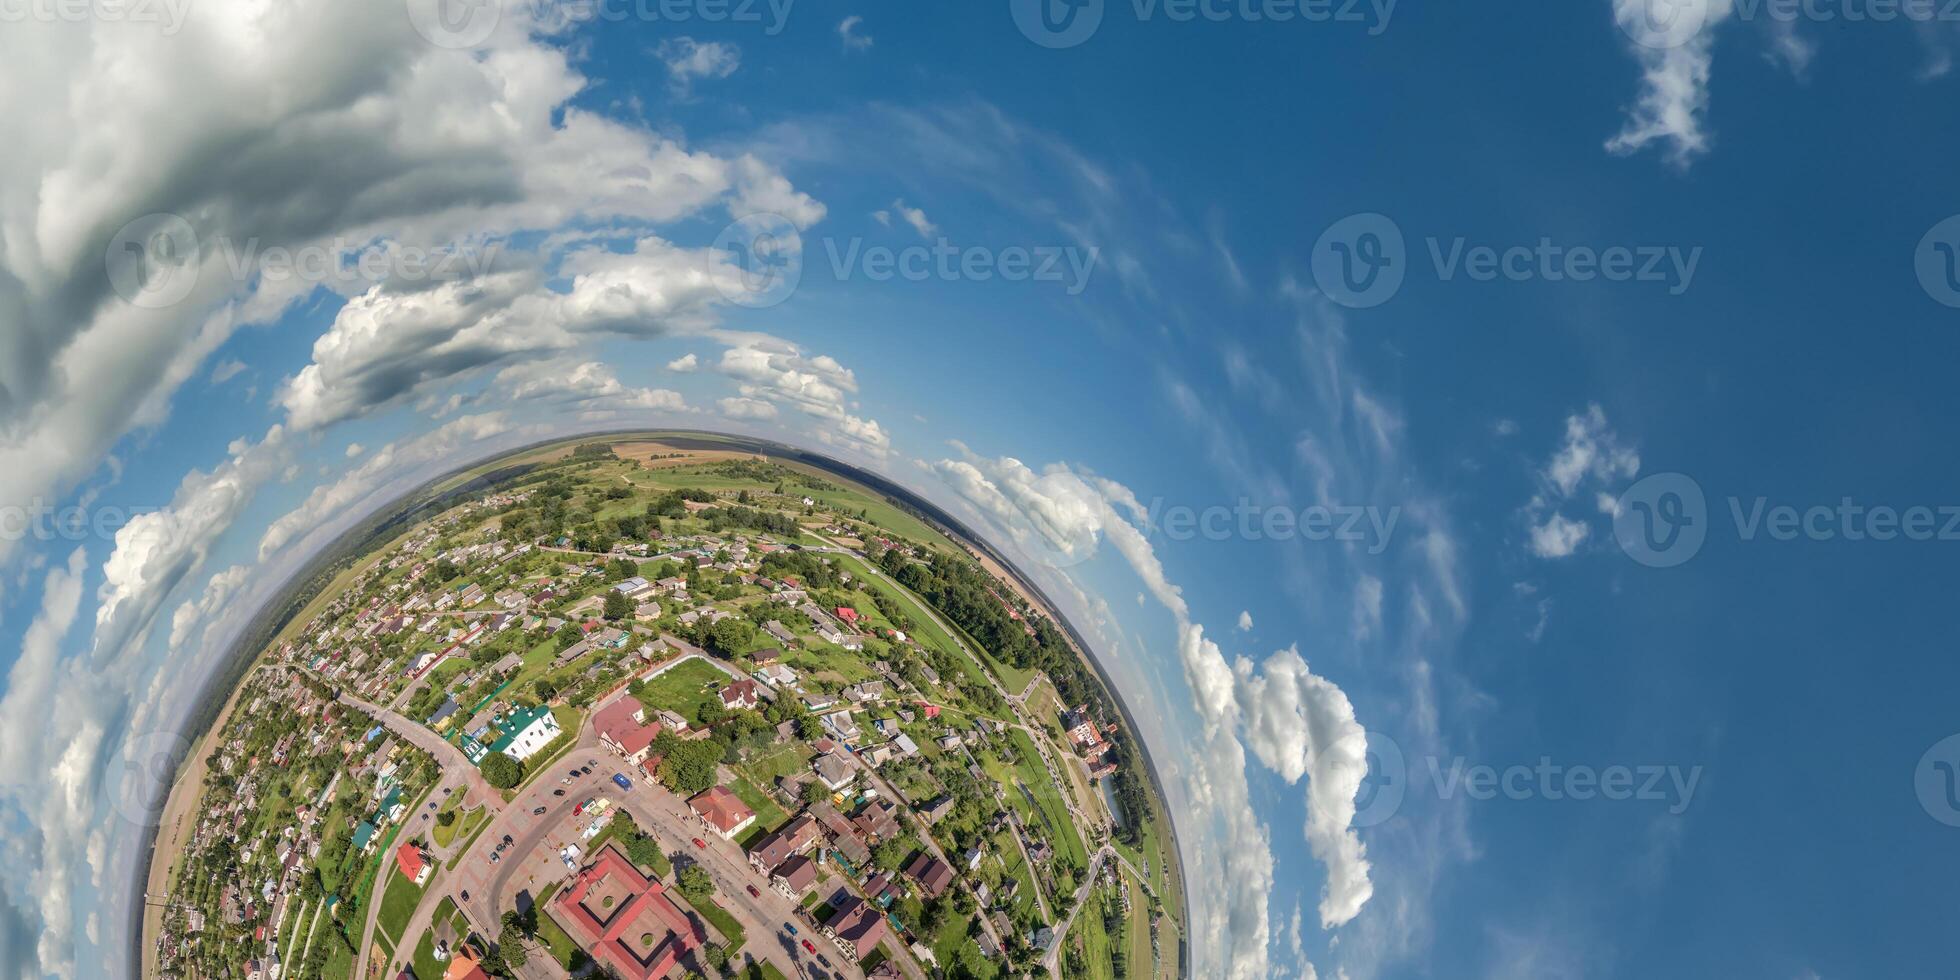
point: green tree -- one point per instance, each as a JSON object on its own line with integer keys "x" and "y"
{"x": 694, "y": 883}
{"x": 510, "y": 942}
{"x": 618, "y": 607}
{"x": 501, "y": 771}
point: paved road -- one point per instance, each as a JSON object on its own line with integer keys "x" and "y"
{"x": 1050, "y": 961}
{"x": 532, "y": 863}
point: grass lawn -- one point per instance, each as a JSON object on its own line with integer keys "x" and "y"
{"x": 465, "y": 823}
{"x": 952, "y": 946}
{"x": 397, "y": 907}
{"x": 1017, "y": 868}
{"x": 768, "y": 815}
{"x": 684, "y": 689}
{"x": 723, "y": 923}
{"x": 784, "y": 760}
{"x": 554, "y": 938}
{"x": 763, "y": 970}
{"x": 340, "y": 961}
{"x": 424, "y": 962}
{"x": 481, "y": 825}
{"x": 1068, "y": 844}
{"x": 1095, "y": 940}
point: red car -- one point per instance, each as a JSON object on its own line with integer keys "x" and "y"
{"x": 578, "y": 809}
{"x": 753, "y": 893}
{"x": 812, "y": 950}
{"x": 698, "y": 842}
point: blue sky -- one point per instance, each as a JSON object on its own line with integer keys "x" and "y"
{"x": 1176, "y": 341}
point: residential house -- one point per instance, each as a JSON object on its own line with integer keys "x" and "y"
{"x": 834, "y": 771}
{"x": 855, "y": 926}
{"x": 413, "y": 863}
{"x": 796, "y": 837}
{"x": 740, "y": 694}
{"x": 722, "y": 811}
{"x": 624, "y": 727}
{"x": 932, "y": 874}
{"x": 794, "y": 877}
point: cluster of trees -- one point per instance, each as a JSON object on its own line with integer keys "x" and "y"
{"x": 749, "y": 518}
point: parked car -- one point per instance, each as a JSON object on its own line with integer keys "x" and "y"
{"x": 698, "y": 842}
{"x": 537, "y": 811}
{"x": 496, "y": 856}
{"x": 573, "y": 774}
{"x": 790, "y": 927}
{"x": 508, "y": 841}
{"x": 753, "y": 893}
{"x": 586, "y": 771}
{"x": 558, "y": 792}
{"x": 578, "y": 809}
{"x": 812, "y": 950}
{"x": 623, "y": 782}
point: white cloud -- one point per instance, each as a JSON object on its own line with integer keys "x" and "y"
{"x": 1589, "y": 454}
{"x": 746, "y": 408}
{"x": 378, "y": 137}
{"x": 565, "y": 381}
{"x": 687, "y": 60}
{"x": 847, "y": 29}
{"x": 1299, "y": 724}
{"x": 685, "y": 364}
{"x": 1590, "y": 449}
{"x": 386, "y": 463}
{"x": 226, "y": 369}
{"x": 1367, "y": 615}
{"x": 1245, "y": 620}
{"x": 1674, "y": 42}
{"x": 911, "y": 216}
{"x": 355, "y": 449}
{"x": 1557, "y": 537}
{"x": 769, "y": 369}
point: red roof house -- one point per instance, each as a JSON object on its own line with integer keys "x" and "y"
{"x": 414, "y": 867}
{"x": 625, "y": 920}
{"x": 624, "y": 727}
{"x": 722, "y": 810}
{"x": 847, "y": 614}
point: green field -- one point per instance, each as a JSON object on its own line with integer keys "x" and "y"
{"x": 424, "y": 963}
{"x": 398, "y": 906}
{"x": 685, "y": 688}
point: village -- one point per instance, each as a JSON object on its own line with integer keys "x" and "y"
{"x": 671, "y": 717}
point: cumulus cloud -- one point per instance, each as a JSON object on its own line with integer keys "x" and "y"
{"x": 591, "y": 383}
{"x": 1673, "y": 40}
{"x": 226, "y": 369}
{"x": 771, "y": 370}
{"x": 1298, "y": 724}
{"x": 1590, "y": 454}
{"x": 1245, "y": 620}
{"x": 688, "y": 60}
{"x": 380, "y": 139}
{"x": 1557, "y": 537}
{"x": 685, "y": 364}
